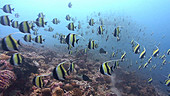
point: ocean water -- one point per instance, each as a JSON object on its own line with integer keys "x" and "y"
{"x": 149, "y": 16}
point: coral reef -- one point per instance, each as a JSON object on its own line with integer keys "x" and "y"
{"x": 5, "y": 65}
{"x": 57, "y": 92}
{"x": 7, "y": 77}
{"x": 38, "y": 61}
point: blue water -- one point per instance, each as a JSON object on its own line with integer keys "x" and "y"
{"x": 152, "y": 16}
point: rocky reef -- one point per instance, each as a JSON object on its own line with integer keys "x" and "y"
{"x": 38, "y": 61}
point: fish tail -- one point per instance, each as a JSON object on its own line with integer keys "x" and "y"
{"x": 13, "y": 9}
{"x": 12, "y": 20}
{"x": 19, "y": 42}
{"x": 45, "y": 23}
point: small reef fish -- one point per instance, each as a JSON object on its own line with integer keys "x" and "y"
{"x": 40, "y": 22}
{"x": 7, "y": 8}
{"x": 55, "y": 21}
{"x": 150, "y": 80}
{"x": 24, "y": 27}
{"x": 91, "y": 22}
{"x": 4, "y": 20}
{"x": 102, "y": 51}
{"x": 59, "y": 72}
{"x": 39, "y": 39}
{"x": 142, "y": 55}
{"x": 100, "y": 30}
{"x": 155, "y": 52}
{"x": 15, "y": 24}
{"x": 16, "y": 59}
{"x": 168, "y": 52}
{"x": 69, "y": 5}
{"x": 27, "y": 38}
{"x": 41, "y": 15}
{"x": 123, "y": 56}
{"x": 38, "y": 82}
{"x": 71, "y": 26}
{"x": 91, "y": 44}
{"x": 71, "y": 39}
{"x": 8, "y": 43}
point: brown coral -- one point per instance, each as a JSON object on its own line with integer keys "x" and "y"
{"x": 68, "y": 87}
{"x": 76, "y": 92}
{"x": 46, "y": 92}
{"x": 57, "y": 92}
{"x": 4, "y": 57}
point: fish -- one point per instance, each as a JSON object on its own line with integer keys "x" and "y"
{"x": 140, "y": 66}
{"x": 167, "y": 82}
{"x": 38, "y": 82}
{"x": 54, "y": 36}
{"x": 7, "y": 8}
{"x": 150, "y": 80}
{"x": 17, "y": 15}
{"x": 40, "y": 22}
{"x": 15, "y": 24}
{"x": 71, "y": 26}
{"x": 86, "y": 78}
{"x": 145, "y": 65}
{"x": 8, "y": 43}
{"x": 92, "y": 30}
{"x": 38, "y": 39}
{"x": 116, "y": 65}
{"x": 27, "y": 38}
{"x": 163, "y": 56}
{"x": 116, "y": 33}
{"x": 123, "y": 56}
{"x": 142, "y": 55}
{"x": 91, "y": 44}
{"x": 102, "y": 51}
{"x": 105, "y": 69}
{"x": 107, "y": 38}
{"x": 71, "y": 68}
{"x": 85, "y": 51}
{"x": 4, "y": 20}
{"x": 50, "y": 29}
{"x": 113, "y": 54}
{"x": 154, "y": 66}
{"x": 24, "y": 27}
{"x": 69, "y": 5}
{"x": 168, "y": 52}
{"x": 56, "y": 21}
{"x": 136, "y": 48}
{"x": 155, "y": 52}
{"x": 150, "y": 59}
{"x": 70, "y": 52}
{"x": 101, "y": 21}
{"x": 41, "y": 15}
{"x": 59, "y": 72}
{"x": 100, "y": 30}
{"x": 71, "y": 39}
{"x": 16, "y": 59}
{"x": 68, "y": 17}
{"x": 132, "y": 42}
{"x": 91, "y": 22}
{"x": 62, "y": 39}
{"x": 35, "y": 33}
{"x": 169, "y": 76}
{"x": 79, "y": 26}
{"x": 164, "y": 62}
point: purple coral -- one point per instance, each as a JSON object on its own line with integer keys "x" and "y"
{"x": 7, "y": 77}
